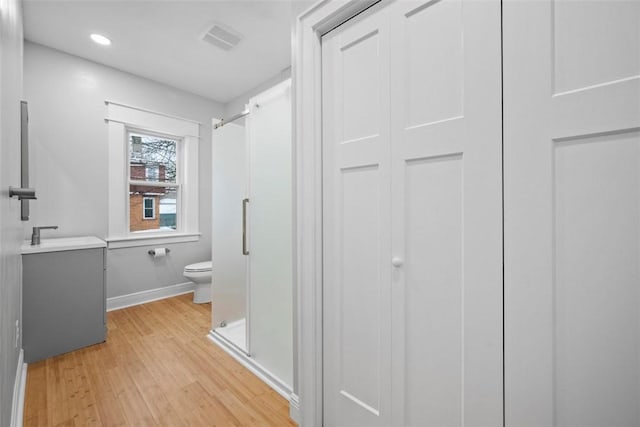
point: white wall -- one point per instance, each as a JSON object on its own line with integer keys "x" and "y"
{"x": 66, "y": 97}
{"x": 10, "y": 228}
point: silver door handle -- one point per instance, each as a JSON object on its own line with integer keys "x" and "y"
{"x": 22, "y": 193}
{"x": 244, "y": 227}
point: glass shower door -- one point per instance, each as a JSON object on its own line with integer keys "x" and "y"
{"x": 270, "y": 225}
{"x": 229, "y": 277}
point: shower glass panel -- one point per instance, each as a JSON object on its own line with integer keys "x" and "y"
{"x": 270, "y": 231}
{"x": 229, "y": 264}
{"x": 252, "y": 237}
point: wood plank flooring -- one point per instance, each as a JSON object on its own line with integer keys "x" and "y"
{"x": 156, "y": 368}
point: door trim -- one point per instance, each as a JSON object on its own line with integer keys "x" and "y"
{"x": 307, "y": 147}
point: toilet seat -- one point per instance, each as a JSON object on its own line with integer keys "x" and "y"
{"x": 199, "y": 267}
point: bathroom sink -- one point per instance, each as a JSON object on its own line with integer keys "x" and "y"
{"x": 63, "y": 244}
{"x": 63, "y": 295}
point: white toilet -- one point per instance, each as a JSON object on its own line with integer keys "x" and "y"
{"x": 200, "y": 274}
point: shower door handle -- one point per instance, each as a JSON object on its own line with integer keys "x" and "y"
{"x": 244, "y": 227}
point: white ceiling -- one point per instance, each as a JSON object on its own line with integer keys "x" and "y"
{"x": 161, "y": 40}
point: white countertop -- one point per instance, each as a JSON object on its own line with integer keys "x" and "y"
{"x": 63, "y": 244}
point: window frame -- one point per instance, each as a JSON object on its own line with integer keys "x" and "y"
{"x": 122, "y": 120}
{"x": 144, "y": 208}
{"x": 180, "y": 166}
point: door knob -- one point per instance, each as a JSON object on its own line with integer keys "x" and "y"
{"x": 397, "y": 262}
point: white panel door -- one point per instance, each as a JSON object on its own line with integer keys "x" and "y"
{"x": 412, "y": 216}
{"x": 356, "y": 216}
{"x": 446, "y": 213}
{"x": 572, "y": 213}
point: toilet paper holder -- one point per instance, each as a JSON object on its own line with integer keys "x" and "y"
{"x": 152, "y": 252}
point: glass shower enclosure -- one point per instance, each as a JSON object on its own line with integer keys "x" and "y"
{"x": 252, "y": 305}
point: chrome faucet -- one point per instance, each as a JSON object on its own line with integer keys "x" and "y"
{"x": 35, "y": 237}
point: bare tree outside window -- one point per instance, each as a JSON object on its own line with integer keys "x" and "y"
{"x": 153, "y": 151}
{"x": 153, "y": 183}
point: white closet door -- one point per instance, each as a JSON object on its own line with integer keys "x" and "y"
{"x": 357, "y": 268}
{"x": 446, "y": 213}
{"x": 412, "y": 220}
{"x": 572, "y": 213}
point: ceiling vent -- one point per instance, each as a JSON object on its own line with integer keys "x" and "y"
{"x": 222, "y": 37}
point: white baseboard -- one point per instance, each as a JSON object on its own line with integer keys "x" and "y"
{"x": 258, "y": 370}
{"x": 19, "y": 388}
{"x": 294, "y": 408}
{"x": 137, "y": 298}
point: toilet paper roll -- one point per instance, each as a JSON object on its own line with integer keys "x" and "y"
{"x": 160, "y": 252}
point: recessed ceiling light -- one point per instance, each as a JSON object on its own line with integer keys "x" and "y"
{"x": 100, "y": 39}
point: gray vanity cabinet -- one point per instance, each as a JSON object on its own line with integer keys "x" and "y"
{"x": 63, "y": 301}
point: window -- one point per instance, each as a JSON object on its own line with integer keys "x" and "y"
{"x": 149, "y": 208}
{"x": 153, "y": 177}
{"x": 154, "y": 173}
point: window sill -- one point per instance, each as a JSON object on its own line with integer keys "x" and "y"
{"x": 151, "y": 240}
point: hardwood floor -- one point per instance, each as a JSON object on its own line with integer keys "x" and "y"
{"x": 156, "y": 368}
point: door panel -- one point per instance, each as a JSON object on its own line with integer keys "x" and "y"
{"x": 572, "y": 203}
{"x": 593, "y": 43}
{"x": 446, "y": 213}
{"x": 359, "y": 287}
{"x": 412, "y": 216}
{"x": 433, "y": 304}
{"x": 432, "y": 45}
{"x": 356, "y": 288}
{"x": 596, "y": 292}
{"x": 360, "y": 93}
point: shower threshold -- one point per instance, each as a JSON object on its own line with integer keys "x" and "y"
{"x": 232, "y": 339}
{"x": 235, "y": 332}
